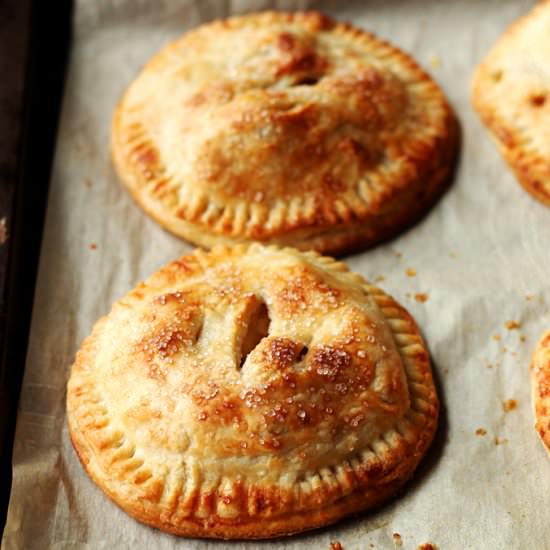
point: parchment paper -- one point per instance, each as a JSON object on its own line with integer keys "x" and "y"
{"x": 481, "y": 256}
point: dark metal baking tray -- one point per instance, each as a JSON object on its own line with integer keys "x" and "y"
{"x": 34, "y": 42}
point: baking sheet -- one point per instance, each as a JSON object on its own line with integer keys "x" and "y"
{"x": 481, "y": 258}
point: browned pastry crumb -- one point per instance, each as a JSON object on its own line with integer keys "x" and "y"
{"x": 421, "y": 297}
{"x": 411, "y": 272}
{"x": 481, "y": 431}
{"x": 335, "y": 545}
{"x": 3, "y": 231}
{"x": 397, "y": 540}
{"x": 509, "y": 405}
{"x": 512, "y": 325}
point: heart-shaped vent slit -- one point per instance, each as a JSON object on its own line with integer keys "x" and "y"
{"x": 307, "y": 81}
{"x": 256, "y": 330}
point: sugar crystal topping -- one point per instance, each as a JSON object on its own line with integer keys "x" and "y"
{"x": 267, "y": 362}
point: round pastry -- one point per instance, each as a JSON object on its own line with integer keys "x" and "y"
{"x": 223, "y": 398}
{"x": 540, "y": 377}
{"x": 511, "y": 92}
{"x": 285, "y": 128}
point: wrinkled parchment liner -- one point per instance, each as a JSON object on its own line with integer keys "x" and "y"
{"x": 482, "y": 258}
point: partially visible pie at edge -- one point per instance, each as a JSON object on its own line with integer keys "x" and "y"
{"x": 224, "y": 399}
{"x": 284, "y": 128}
{"x": 540, "y": 379}
{"x": 511, "y": 93}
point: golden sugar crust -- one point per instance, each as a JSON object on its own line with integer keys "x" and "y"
{"x": 511, "y": 93}
{"x": 286, "y": 128}
{"x": 251, "y": 392}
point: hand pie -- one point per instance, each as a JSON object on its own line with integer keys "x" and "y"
{"x": 251, "y": 392}
{"x": 540, "y": 376}
{"x": 287, "y": 129}
{"x": 511, "y": 92}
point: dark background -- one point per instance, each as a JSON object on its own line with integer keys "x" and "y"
{"x": 34, "y": 43}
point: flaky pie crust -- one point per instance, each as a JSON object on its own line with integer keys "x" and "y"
{"x": 285, "y": 128}
{"x": 251, "y": 392}
{"x": 511, "y": 93}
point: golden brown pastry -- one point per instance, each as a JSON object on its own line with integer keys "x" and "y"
{"x": 283, "y": 128}
{"x": 511, "y": 92}
{"x": 540, "y": 376}
{"x": 251, "y": 392}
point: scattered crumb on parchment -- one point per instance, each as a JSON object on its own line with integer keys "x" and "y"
{"x": 496, "y": 337}
{"x": 3, "y": 231}
{"x": 397, "y": 253}
{"x": 379, "y": 278}
{"x": 435, "y": 61}
{"x": 421, "y": 297}
{"x": 529, "y": 297}
{"x": 512, "y": 325}
{"x": 481, "y": 432}
{"x": 93, "y": 246}
{"x": 427, "y": 546}
{"x": 397, "y": 540}
{"x": 335, "y": 545}
{"x": 500, "y": 440}
{"x": 411, "y": 272}
{"x": 509, "y": 405}
{"x": 522, "y": 338}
